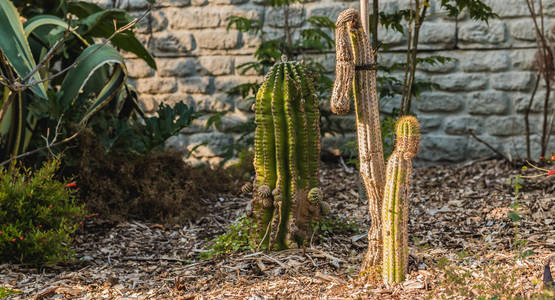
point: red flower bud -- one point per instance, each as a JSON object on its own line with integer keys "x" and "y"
{"x": 50, "y": 206}
{"x": 553, "y": 157}
{"x": 40, "y": 226}
{"x": 541, "y": 157}
{"x": 552, "y": 172}
{"x": 21, "y": 238}
{"x": 71, "y": 184}
{"x": 1, "y": 232}
{"x": 13, "y": 240}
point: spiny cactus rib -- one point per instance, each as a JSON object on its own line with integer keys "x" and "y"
{"x": 396, "y": 200}
{"x": 287, "y": 111}
{"x": 352, "y": 49}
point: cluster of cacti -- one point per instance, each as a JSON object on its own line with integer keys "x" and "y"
{"x": 387, "y": 191}
{"x": 286, "y": 197}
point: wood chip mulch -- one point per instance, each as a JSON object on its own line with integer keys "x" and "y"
{"x": 462, "y": 247}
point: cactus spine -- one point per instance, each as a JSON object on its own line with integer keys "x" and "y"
{"x": 356, "y": 69}
{"x": 286, "y": 198}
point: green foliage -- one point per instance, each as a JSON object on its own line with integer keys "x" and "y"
{"x": 477, "y": 9}
{"x": 79, "y": 76}
{"x": 330, "y": 226}
{"x": 518, "y": 244}
{"x": 144, "y": 135}
{"x": 239, "y": 237}
{"x": 38, "y": 214}
{"x": 5, "y": 292}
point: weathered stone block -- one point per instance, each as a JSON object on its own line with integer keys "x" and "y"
{"x": 218, "y": 39}
{"x": 219, "y": 102}
{"x": 522, "y": 100}
{"x": 461, "y": 82}
{"x": 173, "y": 42}
{"x": 172, "y": 3}
{"x": 523, "y": 30}
{"x": 244, "y": 105}
{"x": 473, "y": 34}
{"x": 391, "y": 37}
{"x": 196, "y": 85}
{"x": 241, "y": 68}
{"x": 231, "y": 124}
{"x": 213, "y": 144}
{"x": 193, "y": 18}
{"x": 485, "y": 61}
{"x": 429, "y": 123}
{"x": 443, "y": 34}
{"x": 199, "y": 2}
{"x": 437, "y": 148}
{"x": 479, "y": 150}
{"x": 510, "y": 8}
{"x": 156, "y": 21}
{"x": 228, "y": 2}
{"x": 176, "y": 67}
{"x": 148, "y": 103}
{"x": 156, "y": 85}
{"x": 226, "y": 83}
{"x": 505, "y": 125}
{"x": 215, "y": 65}
{"x": 137, "y": 68}
{"x": 274, "y": 16}
{"x": 512, "y": 81}
{"x": 460, "y": 125}
{"x": 330, "y": 10}
{"x": 487, "y": 103}
{"x": 438, "y": 102}
{"x": 523, "y": 59}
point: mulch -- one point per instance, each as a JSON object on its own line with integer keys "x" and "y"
{"x": 462, "y": 246}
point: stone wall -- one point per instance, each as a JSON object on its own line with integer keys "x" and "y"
{"x": 485, "y": 89}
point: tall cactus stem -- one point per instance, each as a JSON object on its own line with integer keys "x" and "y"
{"x": 396, "y": 200}
{"x": 353, "y": 49}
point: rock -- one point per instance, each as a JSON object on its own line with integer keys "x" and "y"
{"x": 211, "y": 144}
{"x": 461, "y": 82}
{"x": 510, "y": 8}
{"x": 505, "y": 125}
{"x": 460, "y": 125}
{"x": 199, "y": 85}
{"x": 512, "y": 81}
{"x": 485, "y": 61}
{"x": 440, "y": 35}
{"x": 138, "y": 68}
{"x": 438, "y": 102}
{"x": 438, "y": 67}
{"x": 156, "y": 85}
{"x": 274, "y": 16}
{"x": 218, "y": 39}
{"x": 156, "y": 21}
{"x": 487, "y": 103}
{"x": 215, "y": 65}
{"x": 442, "y": 148}
{"x": 173, "y": 42}
{"x": 176, "y": 67}
{"x": 429, "y": 123}
{"x": 193, "y": 18}
{"x": 523, "y": 30}
{"x": 482, "y": 35}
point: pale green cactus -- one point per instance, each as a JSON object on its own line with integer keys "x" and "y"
{"x": 395, "y": 208}
{"x": 356, "y": 71}
{"x": 287, "y": 154}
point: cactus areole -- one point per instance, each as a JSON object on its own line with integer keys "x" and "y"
{"x": 286, "y": 198}
{"x": 387, "y": 189}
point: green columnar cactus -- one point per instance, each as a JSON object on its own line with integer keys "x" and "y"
{"x": 356, "y": 69}
{"x": 396, "y": 200}
{"x": 286, "y": 197}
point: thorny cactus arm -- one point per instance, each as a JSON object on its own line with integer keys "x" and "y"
{"x": 355, "y": 61}
{"x": 396, "y": 200}
{"x": 287, "y": 153}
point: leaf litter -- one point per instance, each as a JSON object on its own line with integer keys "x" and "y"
{"x": 462, "y": 246}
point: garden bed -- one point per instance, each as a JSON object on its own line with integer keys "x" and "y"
{"x": 462, "y": 243}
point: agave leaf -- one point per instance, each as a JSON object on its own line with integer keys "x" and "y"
{"x": 15, "y": 46}
{"x": 93, "y": 58}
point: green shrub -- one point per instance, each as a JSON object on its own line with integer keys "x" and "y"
{"x": 37, "y": 215}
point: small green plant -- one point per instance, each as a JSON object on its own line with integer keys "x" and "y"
{"x": 329, "y": 226}
{"x": 5, "y": 292}
{"x": 239, "y": 237}
{"x": 38, "y": 214}
{"x": 514, "y": 214}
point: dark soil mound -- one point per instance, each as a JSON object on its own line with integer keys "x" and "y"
{"x": 159, "y": 187}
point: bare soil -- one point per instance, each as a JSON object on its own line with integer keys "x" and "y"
{"x": 462, "y": 247}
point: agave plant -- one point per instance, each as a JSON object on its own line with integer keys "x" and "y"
{"x": 49, "y": 65}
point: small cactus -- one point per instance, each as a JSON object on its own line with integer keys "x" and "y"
{"x": 396, "y": 200}
{"x": 287, "y": 156}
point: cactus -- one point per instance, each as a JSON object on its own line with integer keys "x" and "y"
{"x": 286, "y": 197}
{"x": 356, "y": 69}
{"x": 396, "y": 200}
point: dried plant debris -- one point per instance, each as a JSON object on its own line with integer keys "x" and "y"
{"x": 462, "y": 246}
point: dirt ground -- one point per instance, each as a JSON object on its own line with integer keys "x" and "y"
{"x": 462, "y": 247}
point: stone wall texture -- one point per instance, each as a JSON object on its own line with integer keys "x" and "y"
{"x": 485, "y": 89}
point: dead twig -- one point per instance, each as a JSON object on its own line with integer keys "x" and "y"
{"x": 471, "y": 132}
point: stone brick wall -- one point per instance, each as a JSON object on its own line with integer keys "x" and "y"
{"x": 485, "y": 89}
